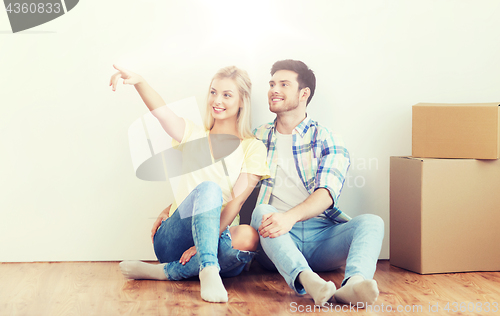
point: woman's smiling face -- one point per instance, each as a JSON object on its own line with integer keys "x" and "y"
{"x": 224, "y": 99}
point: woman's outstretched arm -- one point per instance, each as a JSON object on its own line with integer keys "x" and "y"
{"x": 171, "y": 123}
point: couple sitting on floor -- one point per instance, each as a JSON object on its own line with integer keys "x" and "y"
{"x": 296, "y": 227}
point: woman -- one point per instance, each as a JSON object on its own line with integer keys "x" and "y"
{"x": 196, "y": 238}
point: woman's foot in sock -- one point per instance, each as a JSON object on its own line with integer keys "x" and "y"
{"x": 358, "y": 290}
{"x": 212, "y": 288}
{"x": 139, "y": 270}
{"x": 320, "y": 290}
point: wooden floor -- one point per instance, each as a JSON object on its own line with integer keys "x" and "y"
{"x": 98, "y": 288}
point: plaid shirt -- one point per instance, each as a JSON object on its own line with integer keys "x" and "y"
{"x": 320, "y": 158}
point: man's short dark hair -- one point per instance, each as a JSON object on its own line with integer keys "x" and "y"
{"x": 305, "y": 76}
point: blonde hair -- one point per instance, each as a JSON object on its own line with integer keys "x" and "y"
{"x": 242, "y": 81}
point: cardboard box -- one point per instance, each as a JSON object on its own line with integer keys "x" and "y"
{"x": 445, "y": 214}
{"x": 456, "y": 130}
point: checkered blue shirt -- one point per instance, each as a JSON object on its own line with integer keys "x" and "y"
{"x": 320, "y": 158}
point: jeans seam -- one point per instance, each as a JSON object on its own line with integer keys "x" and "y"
{"x": 194, "y": 225}
{"x": 303, "y": 237}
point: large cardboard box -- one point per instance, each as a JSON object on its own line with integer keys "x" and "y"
{"x": 445, "y": 214}
{"x": 456, "y": 130}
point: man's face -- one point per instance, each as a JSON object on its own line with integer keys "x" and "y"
{"x": 283, "y": 92}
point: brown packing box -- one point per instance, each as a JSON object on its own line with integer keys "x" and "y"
{"x": 456, "y": 130}
{"x": 445, "y": 214}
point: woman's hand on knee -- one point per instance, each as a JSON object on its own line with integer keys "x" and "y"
{"x": 163, "y": 216}
{"x": 187, "y": 255}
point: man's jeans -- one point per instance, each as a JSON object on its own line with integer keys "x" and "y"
{"x": 319, "y": 244}
{"x": 196, "y": 222}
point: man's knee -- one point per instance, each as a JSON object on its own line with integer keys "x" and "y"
{"x": 260, "y": 211}
{"x": 370, "y": 221}
{"x": 244, "y": 237}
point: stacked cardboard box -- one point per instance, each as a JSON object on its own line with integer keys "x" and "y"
{"x": 445, "y": 199}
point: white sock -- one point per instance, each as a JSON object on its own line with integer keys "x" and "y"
{"x": 358, "y": 290}
{"x": 212, "y": 289}
{"x": 320, "y": 290}
{"x": 139, "y": 270}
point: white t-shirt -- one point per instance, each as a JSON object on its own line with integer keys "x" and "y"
{"x": 288, "y": 190}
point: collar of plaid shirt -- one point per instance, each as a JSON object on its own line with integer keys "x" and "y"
{"x": 308, "y": 151}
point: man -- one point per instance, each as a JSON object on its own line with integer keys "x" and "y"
{"x": 300, "y": 228}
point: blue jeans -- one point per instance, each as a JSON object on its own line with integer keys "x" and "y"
{"x": 320, "y": 244}
{"x": 175, "y": 235}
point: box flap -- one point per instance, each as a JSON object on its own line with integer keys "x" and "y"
{"x": 459, "y": 104}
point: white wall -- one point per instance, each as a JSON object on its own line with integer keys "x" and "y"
{"x": 68, "y": 191}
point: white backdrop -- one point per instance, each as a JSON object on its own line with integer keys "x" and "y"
{"x": 68, "y": 190}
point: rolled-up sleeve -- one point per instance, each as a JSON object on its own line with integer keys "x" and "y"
{"x": 333, "y": 164}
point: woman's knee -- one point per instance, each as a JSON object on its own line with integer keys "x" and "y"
{"x": 244, "y": 237}
{"x": 209, "y": 190}
{"x": 209, "y": 187}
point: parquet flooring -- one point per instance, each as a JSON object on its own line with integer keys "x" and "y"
{"x": 98, "y": 288}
